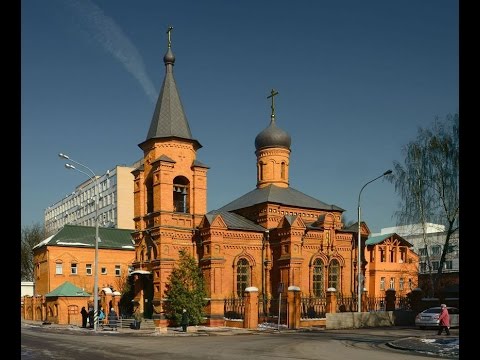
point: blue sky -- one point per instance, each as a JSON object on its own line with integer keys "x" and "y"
{"x": 356, "y": 79}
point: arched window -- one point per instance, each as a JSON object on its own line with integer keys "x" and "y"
{"x": 318, "y": 283}
{"x": 260, "y": 171}
{"x": 334, "y": 275}
{"x": 149, "y": 190}
{"x": 180, "y": 194}
{"x": 243, "y": 276}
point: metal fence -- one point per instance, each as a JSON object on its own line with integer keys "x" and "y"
{"x": 270, "y": 310}
{"x": 346, "y": 303}
{"x": 313, "y": 307}
{"x": 234, "y": 308}
{"x": 402, "y": 303}
{"x": 379, "y": 303}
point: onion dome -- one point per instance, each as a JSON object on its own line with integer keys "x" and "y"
{"x": 169, "y": 58}
{"x": 272, "y": 136}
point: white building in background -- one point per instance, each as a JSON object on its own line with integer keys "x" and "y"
{"x": 434, "y": 243}
{"x": 27, "y": 288}
{"x": 115, "y": 206}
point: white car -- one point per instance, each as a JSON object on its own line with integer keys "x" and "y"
{"x": 429, "y": 317}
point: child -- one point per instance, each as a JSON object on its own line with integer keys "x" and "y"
{"x": 101, "y": 316}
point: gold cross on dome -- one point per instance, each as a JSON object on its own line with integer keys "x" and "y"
{"x": 170, "y": 28}
{"x": 273, "y": 93}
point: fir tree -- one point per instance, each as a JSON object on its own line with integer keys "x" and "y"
{"x": 185, "y": 289}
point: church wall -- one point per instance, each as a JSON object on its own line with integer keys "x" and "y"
{"x": 342, "y": 254}
{"x": 222, "y": 251}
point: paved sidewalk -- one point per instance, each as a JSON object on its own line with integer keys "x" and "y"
{"x": 170, "y": 331}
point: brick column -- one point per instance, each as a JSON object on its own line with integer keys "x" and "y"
{"x": 105, "y": 302}
{"x": 415, "y": 297}
{"x": 250, "y": 319}
{"x": 390, "y": 299}
{"x": 215, "y": 309}
{"x": 115, "y": 301}
{"x": 331, "y": 300}
{"x": 293, "y": 307}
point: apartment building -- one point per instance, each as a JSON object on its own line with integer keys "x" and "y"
{"x": 115, "y": 202}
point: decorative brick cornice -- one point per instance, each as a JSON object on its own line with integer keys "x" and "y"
{"x": 206, "y": 262}
{"x": 175, "y": 145}
{"x": 273, "y": 152}
{"x": 242, "y": 246}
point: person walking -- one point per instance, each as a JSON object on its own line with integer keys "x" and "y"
{"x": 185, "y": 320}
{"x": 112, "y": 319}
{"x": 137, "y": 318}
{"x": 444, "y": 320}
{"x": 90, "y": 317}
{"x": 84, "y": 317}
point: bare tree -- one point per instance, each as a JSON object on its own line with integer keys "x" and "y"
{"x": 428, "y": 184}
{"x": 31, "y": 236}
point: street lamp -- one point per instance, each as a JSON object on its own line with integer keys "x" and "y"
{"x": 359, "y": 245}
{"x": 92, "y": 177}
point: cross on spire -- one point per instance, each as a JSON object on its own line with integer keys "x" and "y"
{"x": 273, "y": 93}
{"x": 170, "y": 28}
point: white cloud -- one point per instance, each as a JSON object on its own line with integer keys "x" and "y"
{"x": 110, "y": 36}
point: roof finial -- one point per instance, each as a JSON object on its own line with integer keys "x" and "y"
{"x": 272, "y": 94}
{"x": 170, "y": 28}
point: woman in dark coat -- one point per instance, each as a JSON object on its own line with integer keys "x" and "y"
{"x": 185, "y": 320}
{"x": 90, "y": 317}
{"x": 84, "y": 317}
{"x": 113, "y": 319}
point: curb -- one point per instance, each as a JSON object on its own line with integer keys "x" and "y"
{"x": 432, "y": 347}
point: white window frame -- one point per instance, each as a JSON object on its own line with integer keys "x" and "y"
{"x": 58, "y": 269}
{"x": 88, "y": 269}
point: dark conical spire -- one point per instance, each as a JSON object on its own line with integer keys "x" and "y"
{"x": 169, "y": 118}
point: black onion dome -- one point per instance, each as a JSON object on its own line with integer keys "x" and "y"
{"x": 272, "y": 136}
{"x": 169, "y": 58}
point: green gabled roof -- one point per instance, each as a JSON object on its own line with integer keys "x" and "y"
{"x": 84, "y": 236}
{"x": 377, "y": 239}
{"x": 374, "y": 240}
{"x": 67, "y": 289}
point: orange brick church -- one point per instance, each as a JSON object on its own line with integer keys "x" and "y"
{"x": 270, "y": 238}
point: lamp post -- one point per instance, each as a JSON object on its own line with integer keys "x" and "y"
{"x": 92, "y": 177}
{"x": 359, "y": 245}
